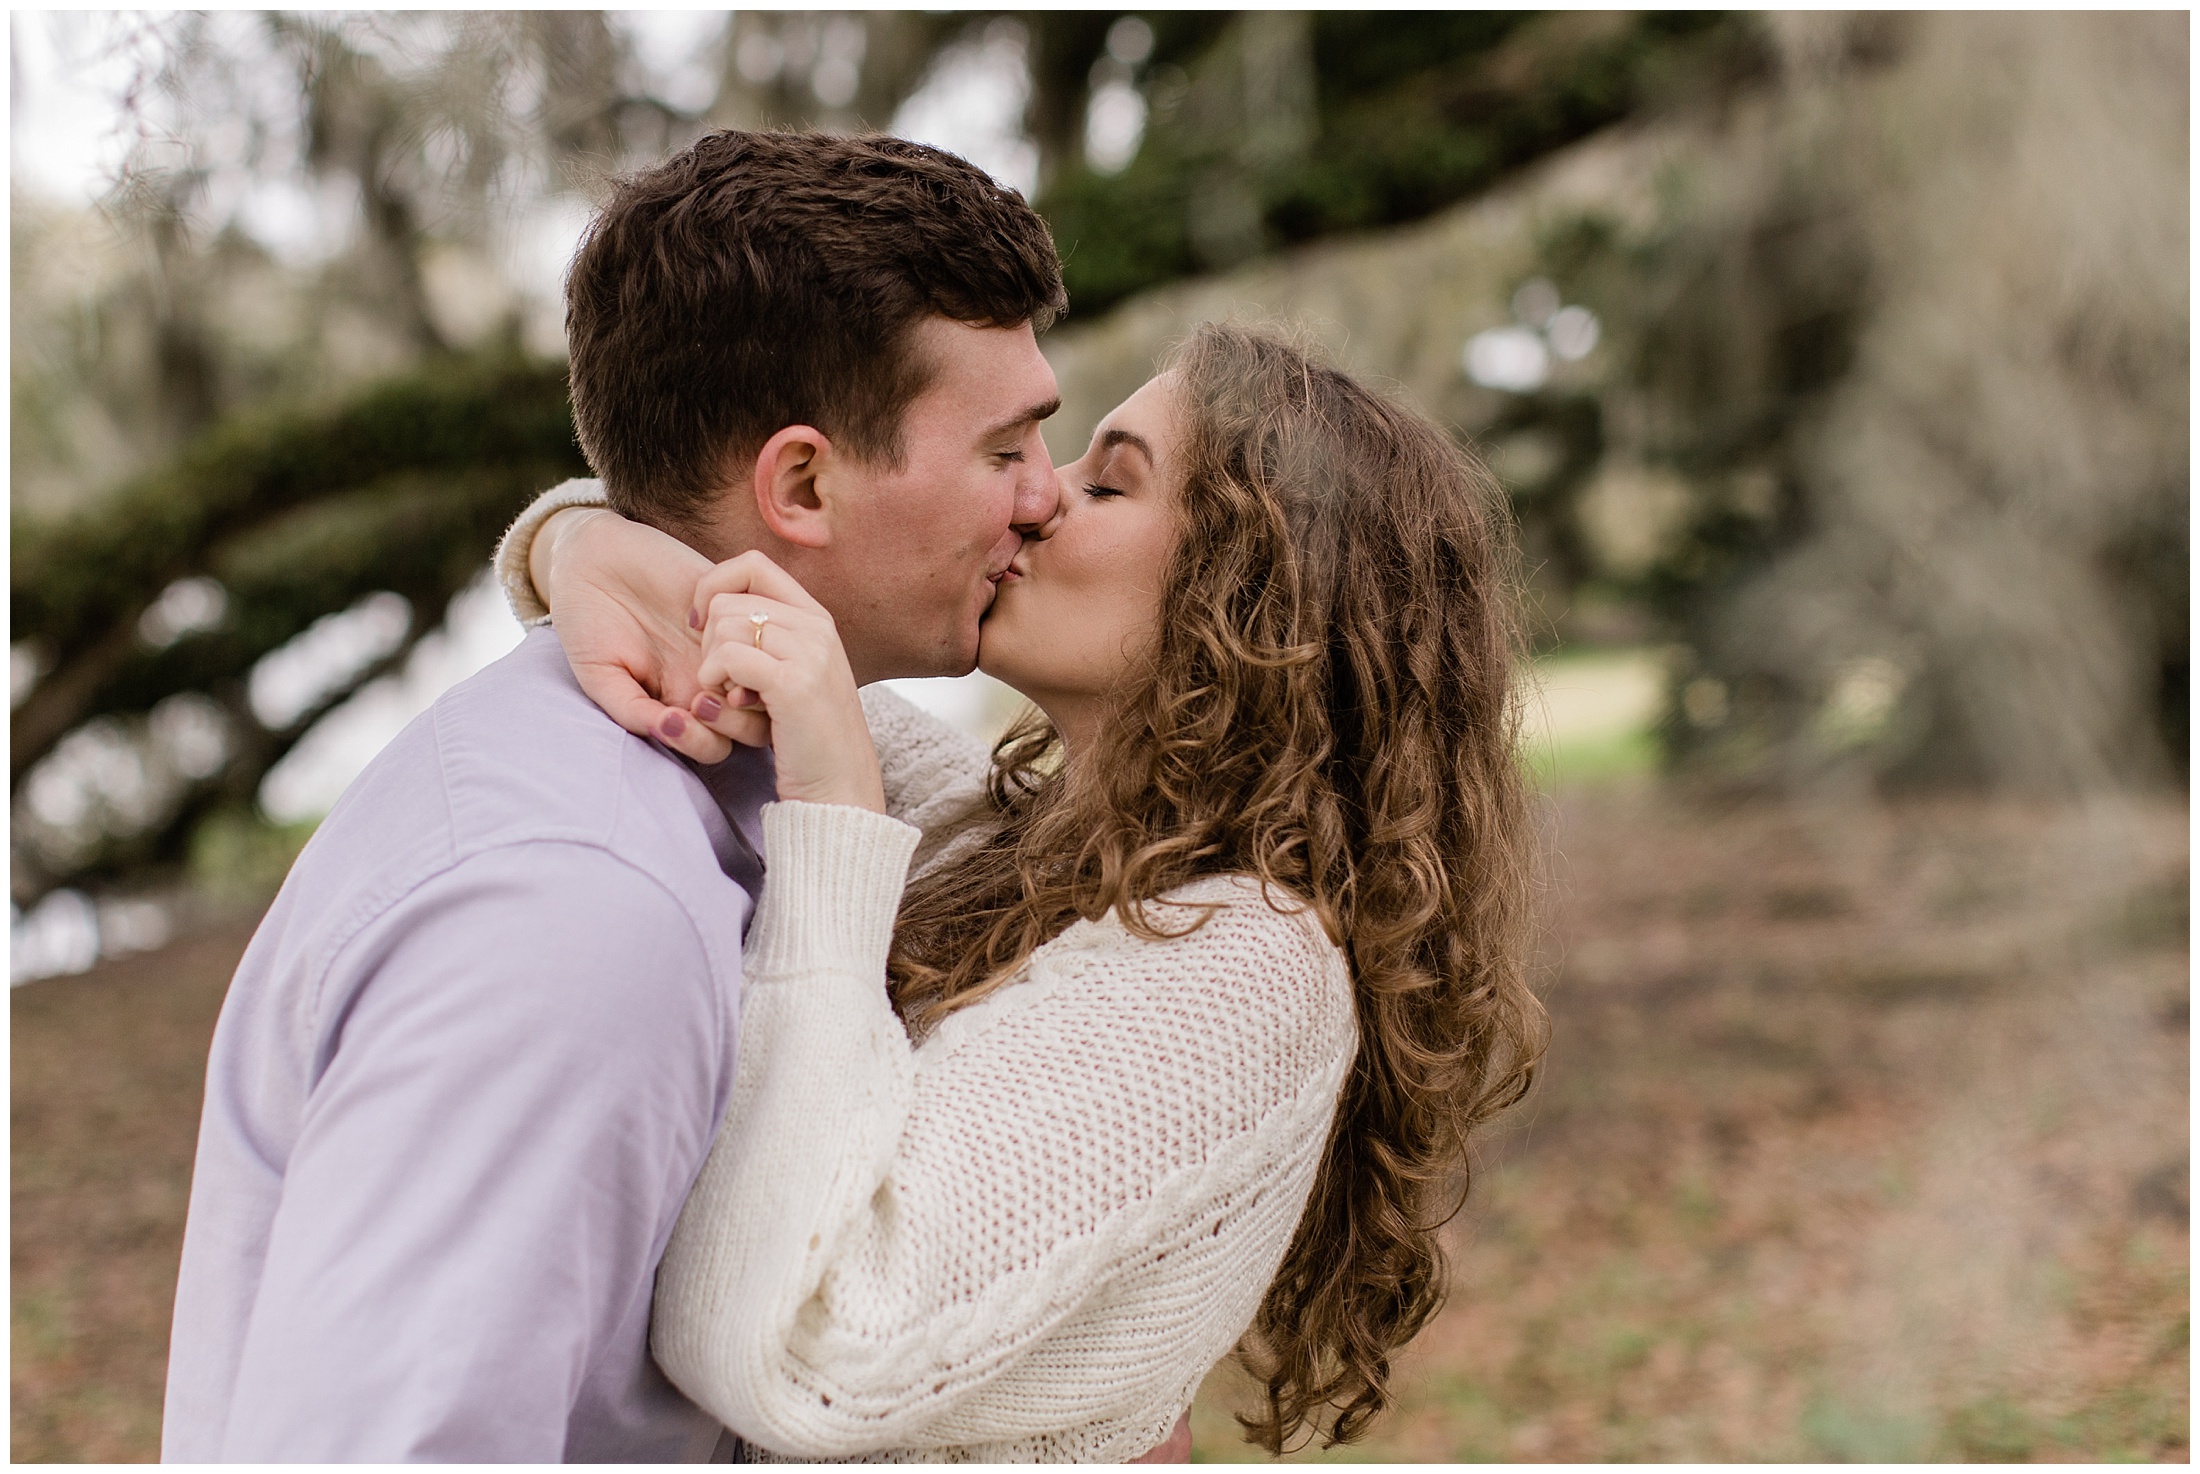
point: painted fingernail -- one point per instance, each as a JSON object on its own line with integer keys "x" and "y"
{"x": 673, "y": 725}
{"x": 695, "y": 619}
{"x": 708, "y": 707}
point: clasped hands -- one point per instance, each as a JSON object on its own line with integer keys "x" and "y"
{"x": 671, "y": 647}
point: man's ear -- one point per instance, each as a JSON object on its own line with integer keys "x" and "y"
{"x": 794, "y": 507}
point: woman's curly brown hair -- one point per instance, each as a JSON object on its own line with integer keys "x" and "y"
{"x": 1329, "y": 706}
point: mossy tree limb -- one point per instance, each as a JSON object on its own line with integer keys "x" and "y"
{"x": 298, "y": 513}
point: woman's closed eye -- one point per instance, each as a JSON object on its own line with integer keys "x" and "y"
{"x": 1096, "y": 489}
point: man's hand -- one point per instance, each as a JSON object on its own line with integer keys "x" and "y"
{"x": 619, "y": 594}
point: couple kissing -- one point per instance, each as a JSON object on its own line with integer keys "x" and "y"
{"x": 675, "y": 1046}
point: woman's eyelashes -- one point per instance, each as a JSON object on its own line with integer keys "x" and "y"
{"x": 1096, "y": 489}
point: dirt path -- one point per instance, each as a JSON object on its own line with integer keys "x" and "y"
{"x": 108, "y": 1068}
{"x": 1864, "y": 1136}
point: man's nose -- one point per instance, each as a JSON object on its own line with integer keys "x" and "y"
{"x": 1038, "y": 501}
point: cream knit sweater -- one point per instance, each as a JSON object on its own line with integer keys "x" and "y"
{"x": 1032, "y": 1235}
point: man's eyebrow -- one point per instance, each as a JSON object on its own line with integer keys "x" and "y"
{"x": 1112, "y": 438}
{"x": 1017, "y": 422}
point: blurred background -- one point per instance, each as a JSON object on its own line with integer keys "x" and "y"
{"x": 1836, "y": 366}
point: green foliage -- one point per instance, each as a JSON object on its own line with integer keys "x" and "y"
{"x": 1119, "y": 236}
{"x": 1842, "y": 1432}
{"x": 73, "y": 575}
{"x": 297, "y": 513}
{"x": 237, "y": 856}
{"x": 1413, "y": 111}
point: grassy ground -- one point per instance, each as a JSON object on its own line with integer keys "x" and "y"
{"x": 1864, "y": 1136}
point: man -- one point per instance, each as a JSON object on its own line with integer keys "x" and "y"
{"x": 477, "y": 1052}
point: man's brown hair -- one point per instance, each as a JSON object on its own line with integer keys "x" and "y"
{"x": 760, "y": 280}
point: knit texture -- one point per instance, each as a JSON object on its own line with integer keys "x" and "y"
{"x": 934, "y": 775}
{"x": 1031, "y": 1237}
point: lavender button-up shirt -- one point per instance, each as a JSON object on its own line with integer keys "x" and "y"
{"x": 465, "y": 1076}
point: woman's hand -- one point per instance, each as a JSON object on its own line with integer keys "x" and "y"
{"x": 619, "y": 595}
{"x": 773, "y": 670}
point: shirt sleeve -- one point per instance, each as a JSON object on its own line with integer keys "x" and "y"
{"x": 525, "y": 1073}
{"x": 1139, "y": 1119}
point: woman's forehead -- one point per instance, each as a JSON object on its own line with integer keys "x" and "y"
{"x": 1147, "y": 418}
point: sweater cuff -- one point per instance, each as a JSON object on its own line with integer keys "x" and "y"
{"x": 519, "y": 542}
{"x": 833, "y": 877}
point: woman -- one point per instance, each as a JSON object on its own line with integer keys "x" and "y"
{"x": 1175, "y": 1037}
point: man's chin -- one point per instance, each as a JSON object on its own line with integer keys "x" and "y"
{"x": 955, "y": 655}
{"x": 960, "y": 661}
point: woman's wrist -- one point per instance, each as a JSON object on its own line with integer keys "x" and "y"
{"x": 833, "y": 881}
{"x": 847, "y": 792}
{"x": 838, "y": 766}
{"x": 516, "y": 549}
{"x": 554, "y": 534}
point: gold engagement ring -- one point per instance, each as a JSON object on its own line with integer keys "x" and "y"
{"x": 759, "y": 619}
